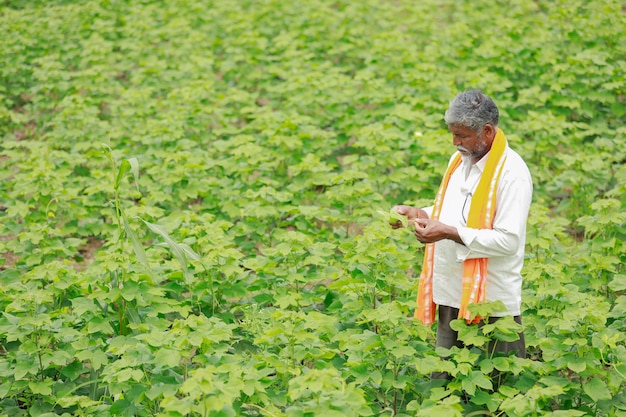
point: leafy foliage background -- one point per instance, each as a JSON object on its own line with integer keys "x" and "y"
{"x": 195, "y": 201}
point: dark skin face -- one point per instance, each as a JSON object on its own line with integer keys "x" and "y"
{"x": 470, "y": 143}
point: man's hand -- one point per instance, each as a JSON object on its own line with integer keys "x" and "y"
{"x": 412, "y": 213}
{"x": 431, "y": 231}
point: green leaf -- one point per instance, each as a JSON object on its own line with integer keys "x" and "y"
{"x": 486, "y": 308}
{"x": 99, "y": 325}
{"x": 137, "y": 246}
{"x": 468, "y": 334}
{"x": 127, "y": 165}
{"x": 179, "y": 251}
{"x": 475, "y": 380}
{"x": 618, "y": 283}
{"x": 504, "y": 328}
{"x": 597, "y": 389}
{"x": 502, "y": 364}
{"x": 18, "y": 208}
{"x": 492, "y": 401}
{"x": 123, "y": 408}
{"x": 122, "y": 170}
{"x": 578, "y": 365}
{"x": 41, "y": 387}
{"x": 73, "y": 370}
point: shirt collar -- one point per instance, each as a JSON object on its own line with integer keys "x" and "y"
{"x": 480, "y": 165}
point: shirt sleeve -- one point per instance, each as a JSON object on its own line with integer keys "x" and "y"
{"x": 509, "y": 226}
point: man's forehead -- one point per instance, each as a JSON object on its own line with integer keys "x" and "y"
{"x": 459, "y": 128}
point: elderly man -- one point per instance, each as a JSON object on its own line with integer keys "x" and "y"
{"x": 475, "y": 231}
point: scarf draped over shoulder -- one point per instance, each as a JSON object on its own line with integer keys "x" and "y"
{"x": 481, "y": 213}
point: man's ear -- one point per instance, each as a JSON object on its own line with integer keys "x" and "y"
{"x": 490, "y": 132}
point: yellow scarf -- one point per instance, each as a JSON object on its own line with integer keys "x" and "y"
{"x": 481, "y": 213}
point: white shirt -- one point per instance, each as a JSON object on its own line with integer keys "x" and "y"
{"x": 503, "y": 245}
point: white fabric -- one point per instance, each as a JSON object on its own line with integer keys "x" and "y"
{"x": 503, "y": 245}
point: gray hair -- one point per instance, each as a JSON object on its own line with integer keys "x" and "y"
{"x": 472, "y": 109}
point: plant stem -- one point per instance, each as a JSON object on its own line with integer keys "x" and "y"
{"x": 39, "y": 356}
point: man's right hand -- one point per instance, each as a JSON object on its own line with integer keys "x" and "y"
{"x": 411, "y": 213}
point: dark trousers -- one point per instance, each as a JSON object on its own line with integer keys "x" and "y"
{"x": 446, "y": 337}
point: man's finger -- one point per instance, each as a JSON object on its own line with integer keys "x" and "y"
{"x": 400, "y": 209}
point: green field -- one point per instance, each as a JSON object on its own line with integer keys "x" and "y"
{"x": 195, "y": 196}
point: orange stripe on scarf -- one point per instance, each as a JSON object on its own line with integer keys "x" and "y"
{"x": 481, "y": 213}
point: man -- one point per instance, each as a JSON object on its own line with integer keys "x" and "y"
{"x": 475, "y": 232}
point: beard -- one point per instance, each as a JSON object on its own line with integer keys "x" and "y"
{"x": 478, "y": 152}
